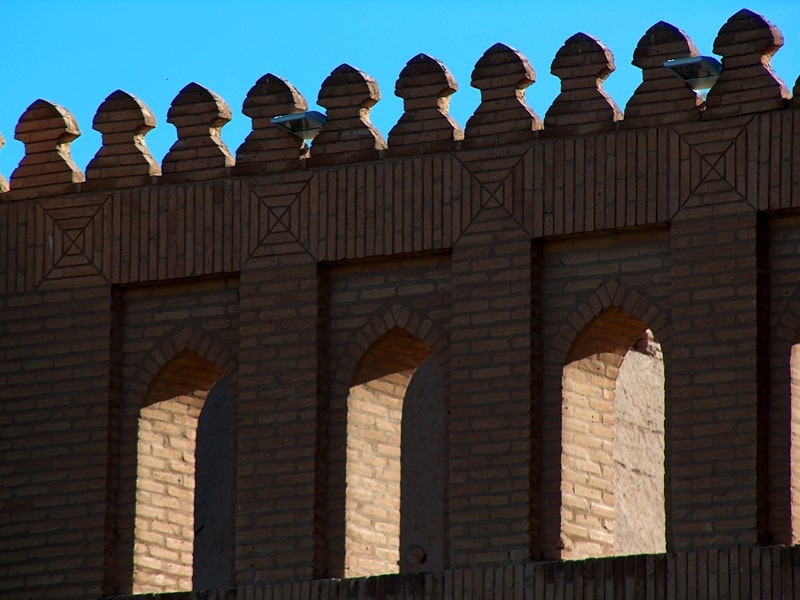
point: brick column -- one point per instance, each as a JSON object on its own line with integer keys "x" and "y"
{"x": 490, "y": 421}
{"x": 714, "y": 383}
{"x": 277, "y": 419}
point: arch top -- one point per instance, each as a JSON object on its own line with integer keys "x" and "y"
{"x": 396, "y": 350}
{"x": 182, "y": 375}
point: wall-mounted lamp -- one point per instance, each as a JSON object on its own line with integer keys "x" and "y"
{"x": 699, "y": 72}
{"x": 305, "y": 125}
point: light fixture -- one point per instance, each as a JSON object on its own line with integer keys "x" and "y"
{"x": 699, "y": 72}
{"x": 305, "y": 125}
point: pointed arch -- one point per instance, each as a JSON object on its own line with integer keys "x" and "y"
{"x": 193, "y": 339}
{"x": 394, "y": 316}
{"x": 613, "y": 293}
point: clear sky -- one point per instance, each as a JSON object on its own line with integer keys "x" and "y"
{"x": 77, "y": 52}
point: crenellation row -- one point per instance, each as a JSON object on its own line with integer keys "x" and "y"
{"x": 747, "y": 85}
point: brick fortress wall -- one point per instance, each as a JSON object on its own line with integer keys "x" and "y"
{"x": 459, "y": 352}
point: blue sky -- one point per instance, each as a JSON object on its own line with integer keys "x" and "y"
{"x": 75, "y": 53}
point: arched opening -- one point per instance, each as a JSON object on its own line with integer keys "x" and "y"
{"x": 612, "y": 456}
{"x": 183, "y": 533}
{"x": 394, "y": 505}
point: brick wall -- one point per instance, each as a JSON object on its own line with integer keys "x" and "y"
{"x": 273, "y": 368}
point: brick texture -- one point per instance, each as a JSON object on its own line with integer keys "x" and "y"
{"x": 435, "y": 366}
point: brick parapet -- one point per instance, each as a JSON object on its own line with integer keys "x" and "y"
{"x": 553, "y": 187}
{"x": 747, "y": 86}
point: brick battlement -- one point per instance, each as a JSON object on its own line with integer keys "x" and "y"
{"x": 448, "y": 362}
{"x": 746, "y": 43}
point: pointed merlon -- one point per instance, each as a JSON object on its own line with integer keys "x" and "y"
{"x": 582, "y": 107}
{"x": 47, "y": 130}
{"x": 425, "y": 85}
{"x": 747, "y": 84}
{"x": 124, "y": 159}
{"x": 268, "y": 147}
{"x": 348, "y": 95}
{"x": 199, "y": 115}
{"x": 3, "y": 182}
{"x": 502, "y": 74}
{"x": 662, "y": 98}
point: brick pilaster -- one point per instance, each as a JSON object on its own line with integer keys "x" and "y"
{"x": 490, "y": 421}
{"x": 713, "y": 388}
{"x": 277, "y": 419}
